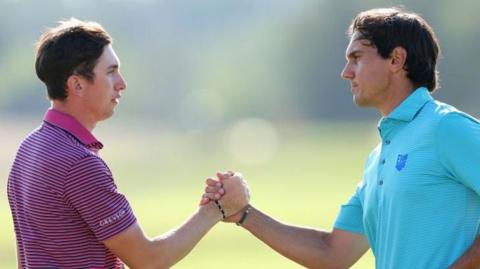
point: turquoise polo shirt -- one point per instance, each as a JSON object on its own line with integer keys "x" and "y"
{"x": 419, "y": 201}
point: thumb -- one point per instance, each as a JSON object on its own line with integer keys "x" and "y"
{"x": 223, "y": 176}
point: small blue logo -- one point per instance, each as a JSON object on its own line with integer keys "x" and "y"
{"x": 401, "y": 161}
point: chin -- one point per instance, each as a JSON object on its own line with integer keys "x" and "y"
{"x": 108, "y": 115}
{"x": 360, "y": 102}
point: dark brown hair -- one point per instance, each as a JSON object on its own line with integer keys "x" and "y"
{"x": 388, "y": 28}
{"x": 73, "y": 47}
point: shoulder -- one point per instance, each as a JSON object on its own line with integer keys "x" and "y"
{"x": 449, "y": 113}
{"x": 88, "y": 174}
{"x": 456, "y": 129}
{"x": 89, "y": 162}
{"x": 50, "y": 146}
{"x": 444, "y": 117}
{"x": 456, "y": 122}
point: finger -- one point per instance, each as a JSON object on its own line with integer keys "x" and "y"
{"x": 215, "y": 189}
{"x": 212, "y": 196}
{"x": 204, "y": 201}
{"x": 224, "y": 175}
{"x": 212, "y": 182}
{"x": 221, "y": 176}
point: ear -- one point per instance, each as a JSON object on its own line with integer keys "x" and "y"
{"x": 398, "y": 59}
{"x": 75, "y": 85}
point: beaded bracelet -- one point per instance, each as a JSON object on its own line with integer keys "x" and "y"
{"x": 220, "y": 207}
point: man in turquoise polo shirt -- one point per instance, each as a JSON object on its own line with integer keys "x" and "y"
{"x": 418, "y": 205}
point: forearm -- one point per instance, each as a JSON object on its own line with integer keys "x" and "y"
{"x": 138, "y": 251}
{"x": 171, "y": 247}
{"x": 471, "y": 258}
{"x": 306, "y": 246}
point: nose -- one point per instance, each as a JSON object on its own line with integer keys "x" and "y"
{"x": 347, "y": 72}
{"x": 121, "y": 83}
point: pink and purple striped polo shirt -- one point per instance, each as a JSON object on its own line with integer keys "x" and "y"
{"x": 63, "y": 198}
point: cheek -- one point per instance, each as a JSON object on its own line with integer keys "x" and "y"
{"x": 362, "y": 74}
{"x": 380, "y": 75}
{"x": 372, "y": 73}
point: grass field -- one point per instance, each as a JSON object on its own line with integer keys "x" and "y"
{"x": 311, "y": 172}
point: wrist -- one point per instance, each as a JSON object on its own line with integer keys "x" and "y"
{"x": 244, "y": 216}
{"x": 220, "y": 208}
{"x": 211, "y": 212}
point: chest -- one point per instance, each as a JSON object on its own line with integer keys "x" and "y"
{"x": 405, "y": 172}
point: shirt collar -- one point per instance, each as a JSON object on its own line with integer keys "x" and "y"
{"x": 72, "y": 126}
{"x": 409, "y": 107}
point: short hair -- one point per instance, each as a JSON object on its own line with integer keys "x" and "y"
{"x": 73, "y": 47}
{"x": 388, "y": 28}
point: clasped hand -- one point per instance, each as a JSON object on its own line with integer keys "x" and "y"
{"x": 231, "y": 191}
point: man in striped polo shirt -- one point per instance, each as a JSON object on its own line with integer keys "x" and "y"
{"x": 418, "y": 205}
{"x": 66, "y": 209}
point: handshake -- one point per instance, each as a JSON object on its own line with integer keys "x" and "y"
{"x": 230, "y": 194}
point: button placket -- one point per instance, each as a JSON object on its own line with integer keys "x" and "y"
{"x": 382, "y": 162}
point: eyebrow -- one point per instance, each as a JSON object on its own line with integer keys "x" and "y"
{"x": 113, "y": 66}
{"x": 353, "y": 53}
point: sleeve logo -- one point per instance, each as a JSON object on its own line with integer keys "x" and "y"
{"x": 113, "y": 218}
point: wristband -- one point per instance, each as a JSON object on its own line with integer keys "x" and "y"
{"x": 244, "y": 216}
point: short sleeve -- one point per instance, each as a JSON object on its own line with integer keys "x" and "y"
{"x": 350, "y": 217}
{"x": 91, "y": 191}
{"x": 458, "y": 144}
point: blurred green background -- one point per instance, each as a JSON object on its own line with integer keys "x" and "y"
{"x": 248, "y": 85}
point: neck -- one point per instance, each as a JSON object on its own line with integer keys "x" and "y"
{"x": 394, "y": 97}
{"x": 76, "y": 112}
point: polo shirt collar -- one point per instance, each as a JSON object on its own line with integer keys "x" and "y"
{"x": 409, "y": 107}
{"x": 72, "y": 126}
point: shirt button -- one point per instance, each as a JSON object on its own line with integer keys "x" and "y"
{"x": 380, "y": 182}
{"x": 387, "y": 142}
{"x": 383, "y": 161}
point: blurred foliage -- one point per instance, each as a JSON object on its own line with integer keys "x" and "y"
{"x": 198, "y": 64}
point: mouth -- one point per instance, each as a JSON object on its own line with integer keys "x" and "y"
{"x": 353, "y": 87}
{"x": 116, "y": 100}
